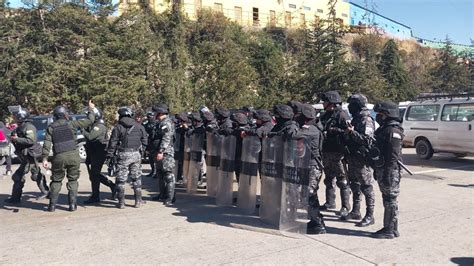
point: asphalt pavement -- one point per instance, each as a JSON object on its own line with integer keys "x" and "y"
{"x": 436, "y": 225}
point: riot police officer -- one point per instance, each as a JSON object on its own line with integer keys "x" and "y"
{"x": 61, "y": 137}
{"x": 284, "y": 126}
{"x": 181, "y": 127}
{"x": 96, "y": 144}
{"x": 241, "y": 124}
{"x": 315, "y": 137}
{"x": 164, "y": 150}
{"x": 127, "y": 139}
{"x": 334, "y": 121}
{"x": 264, "y": 125}
{"x": 223, "y": 121}
{"x": 359, "y": 136}
{"x": 27, "y": 148}
{"x": 149, "y": 126}
{"x": 388, "y": 141}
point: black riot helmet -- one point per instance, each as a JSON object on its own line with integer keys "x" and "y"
{"x": 308, "y": 111}
{"x": 161, "y": 109}
{"x": 356, "y": 103}
{"x": 263, "y": 115}
{"x": 283, "y": 111}
{"x": 60, "y": 112}
{"x": 20, "y": 113}
{"x": 125, "y": 111}
{"x": 388, "y": 108}
{"x": 97, "y": 112}
{"x": 331, "y": 97}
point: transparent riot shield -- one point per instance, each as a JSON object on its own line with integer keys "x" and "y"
{"x": 212, "y": 162}
{"x": 295, "y": 187}
{"x": 247, "y": 194}
{"x": 226, "y": 174}
{"x": 187, "y": 157}
{"x": 195, "y": 162}
{"x": 271, "y": 178}
{"x": 177, "y": 153}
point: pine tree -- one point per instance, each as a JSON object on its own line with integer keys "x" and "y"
{"x": 392, "y": 69}
{"x": 449, "y": 75}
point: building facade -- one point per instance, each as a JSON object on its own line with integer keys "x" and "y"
{"x": 257, "y": 13}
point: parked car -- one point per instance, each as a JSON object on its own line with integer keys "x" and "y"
{"x": 441, "y": 123}
{"x": 42, "y": 122}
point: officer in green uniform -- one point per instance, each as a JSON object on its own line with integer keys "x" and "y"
{"x": 96, "y": 144}
{"x": 61, "y": 135}
{"x": 28, "y": 149}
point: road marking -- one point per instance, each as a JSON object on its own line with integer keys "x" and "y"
{"x": 442, "y": 169}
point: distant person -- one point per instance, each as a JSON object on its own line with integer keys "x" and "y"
{"x": 5, "y": 150}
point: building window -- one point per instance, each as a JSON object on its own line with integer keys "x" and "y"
{"x": 255, "y": 18}
{"x": 292, "y": 6}
{"x": 307, "y": 8}
{"x": 320, "y": 10}
{"x": 288, "y": 19}
{"x": 272, "y": 18}
{"x": 238, "y": 14}
{"x": 344, "y": 15}
{"x": 218, "y": 7}
{"x": 302, "y": 20}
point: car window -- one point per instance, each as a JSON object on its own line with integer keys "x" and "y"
{"x": 458, "y": 112}
{"x": 40, "y": 123}
{"x": 423, "y": 112}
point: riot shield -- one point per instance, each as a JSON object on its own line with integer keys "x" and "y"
{"x": 226, "y": 174}
{"x": 195, "y": 162}
{"x": 187, "y": 157}
{"x": 212, "y": 162}
{"x": 177, "y": 153}
{"x": 295, "y": 187}
{"x": 247, "y": 195}
{"x": 271, "y": 178}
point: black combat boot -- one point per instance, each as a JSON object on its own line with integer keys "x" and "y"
{"x": 388, "y": 221}
{"x": 17, "y": 190}
{"x": 316, "y": 226}
{"x": 72, "y": 197}
{"x": 368, "y": 218}
{"x": 121, "y": 197}
{"x": 354, "y": 214}
{"x": 52, "y": 204}
{"x": 345, "y": 198}
{"x": 13, "y": 200}
{"x": 138, "y": 198}
{"x": 330, "y": 199}
{"x": 113, "y": 190}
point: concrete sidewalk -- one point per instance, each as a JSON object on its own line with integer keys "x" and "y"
{"x": 436, "y": 226}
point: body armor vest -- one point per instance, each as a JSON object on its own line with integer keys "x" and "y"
{"x": 63, "y": 139}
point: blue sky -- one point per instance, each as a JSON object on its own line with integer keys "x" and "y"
{"x": 431, "y": 19}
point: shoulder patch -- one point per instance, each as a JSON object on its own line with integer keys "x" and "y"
{"x": 306, "y": 126}
{"x": 96, "y": 128}
{"x": 29, "y": 132}
{"x": 396, "y": 136}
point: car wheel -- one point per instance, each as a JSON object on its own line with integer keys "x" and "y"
{"x": 82, "y": 152}
{"x": 424, "y": 149}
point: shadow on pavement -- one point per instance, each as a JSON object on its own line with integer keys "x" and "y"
{"x": 463, "y": 260}
{"x": 463, "y": 186}
{"x": 439, "y": 161}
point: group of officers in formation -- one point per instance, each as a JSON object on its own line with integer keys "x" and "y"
{"x": 289, "y": 148}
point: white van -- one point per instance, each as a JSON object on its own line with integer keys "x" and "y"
{"x": 440, "y": 124}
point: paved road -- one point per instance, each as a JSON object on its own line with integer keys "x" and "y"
{"x": 436, "y": 226}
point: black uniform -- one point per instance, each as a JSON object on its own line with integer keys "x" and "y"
{"x": 149, "y": 126}
{"x": 335, "y": 123}
{"x": 96, "y": 144}
{"x": 389, "y": 139}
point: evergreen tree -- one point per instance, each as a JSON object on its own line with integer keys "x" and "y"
{"x": 392, "y": 69}
{"x": 449, "y": 75}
